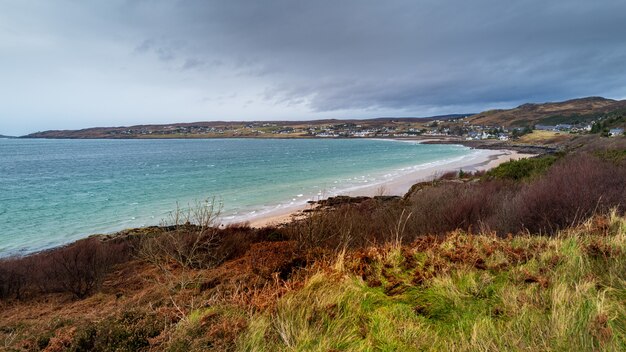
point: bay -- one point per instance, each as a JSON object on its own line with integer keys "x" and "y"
{"x": 56, "y": 191}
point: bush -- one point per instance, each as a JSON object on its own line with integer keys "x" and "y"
{"x": 557, "y": 192}
{"x": 451, "y": 206}
{"x": 130, "y": 331}
{"x": 613, "y": 155}
{"x": 522, "y": 169}
{"x": 351, "y": 225}
{"x": 80, "y": 267}
{"x": 331, "y": 229}
{"x": 13, "y": 279}
{"x": 189, "y": 239}
{"x": 571, "y": 191}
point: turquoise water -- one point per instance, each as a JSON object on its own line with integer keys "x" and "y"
{"x": 56, "y": 191}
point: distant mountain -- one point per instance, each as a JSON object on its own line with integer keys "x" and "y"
{"x": 571, "y": 111}
{"x": 3, "y": 136}
{"x": 205, "y": 129}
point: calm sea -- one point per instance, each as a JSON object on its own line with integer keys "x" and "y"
{"x": 56, "y": 191}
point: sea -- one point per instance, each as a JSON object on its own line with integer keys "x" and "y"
{"x": 56, "y": 191}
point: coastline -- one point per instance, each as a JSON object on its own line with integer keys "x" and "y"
{"x": 396, "y": 183}
{"x": 398, "y": 186}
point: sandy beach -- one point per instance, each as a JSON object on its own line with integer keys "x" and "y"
{"x": 398, "y": 186}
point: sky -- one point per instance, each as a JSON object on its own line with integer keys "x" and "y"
{"x": 69, "y": 64}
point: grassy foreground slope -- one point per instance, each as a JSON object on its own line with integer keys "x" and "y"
{"x": 455, "y": 292}
{"x": 460, "y": 292}
{"x": 528, "y": 256}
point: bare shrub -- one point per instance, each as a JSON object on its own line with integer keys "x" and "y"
{"x": 351, "y": 226}
{"x": 324, "y": 229}
{"x": 571, "y": 191}
{"x": 188, "y": 238}
{"x": 235, "y": 240}
{"x": 77, "y": 268}
{"x": 381, "y": 191}
{"x": 187, "y": 241}
{"x": 448, "y": 207}
{"x": 80, "y": 267}
{"x": 13, "y": 279}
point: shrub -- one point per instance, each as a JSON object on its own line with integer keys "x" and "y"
{"x": 557, "y": 192}
{"x": 349, "y": 225}
{"x": 13, "y": 279}
{"x": 613, "y": 155}
{"x": 189, "y": 239}
{"x": 522, "y": 169}
{"x": 571, "y": 191}
{"x": 325, "y": 228}
{"x": 437, "y": 210}
{"x": 130, "y": 331}
{"x": 80, "y": 267}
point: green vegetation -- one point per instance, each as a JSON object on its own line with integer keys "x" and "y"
{"x": 613, "y": 155}
{"x": 524, "y": 130}
{"x": 615, "y": 118}
{"x": 523, "y": 168}
{"x": 573, "y": 119}
{"x": 128, "y": 332}
{"x": 464, "y": 293}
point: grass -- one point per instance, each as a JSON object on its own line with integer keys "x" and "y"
{"x": 544, "y": 137}
{"x": 456, "y": 292}
{"x": 464, "y": 293}
{"x": 615, "y": 155}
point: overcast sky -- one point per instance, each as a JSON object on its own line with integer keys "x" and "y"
{"x": 80, "y": 63}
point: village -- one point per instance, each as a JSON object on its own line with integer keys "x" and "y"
{"x": 401, "y": 128}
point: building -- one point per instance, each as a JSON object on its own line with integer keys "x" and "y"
{"x": 563, "y": 127}
{"x": 616, "y": 132}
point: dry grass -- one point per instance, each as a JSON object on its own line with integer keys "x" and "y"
{"x": 545, "y": 137}
{"x": 455, "y": 292}
{"x": 463, "y": 293}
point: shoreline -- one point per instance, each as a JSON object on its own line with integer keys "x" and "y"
{"x": 481, "y": 159}
{"x": 399, "y": 185}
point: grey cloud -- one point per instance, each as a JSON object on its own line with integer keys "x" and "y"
{"x": 165, "y": 54}
{"x": 192, "y": 64}
{"x": 405, "y": 54}
{"x": 329, "y": 57}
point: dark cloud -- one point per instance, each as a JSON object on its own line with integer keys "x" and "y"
{"x": 332, "y": 58}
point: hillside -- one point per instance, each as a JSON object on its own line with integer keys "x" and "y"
{"x": 571, "y": 111}
{"x": 210, "y": 129}
{"x": 578, "y": 112}
{"x": 458, "y": 292}
{"x": 529, "y": 256}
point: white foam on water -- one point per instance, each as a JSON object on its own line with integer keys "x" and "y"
{"x": 349, "y": 185}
